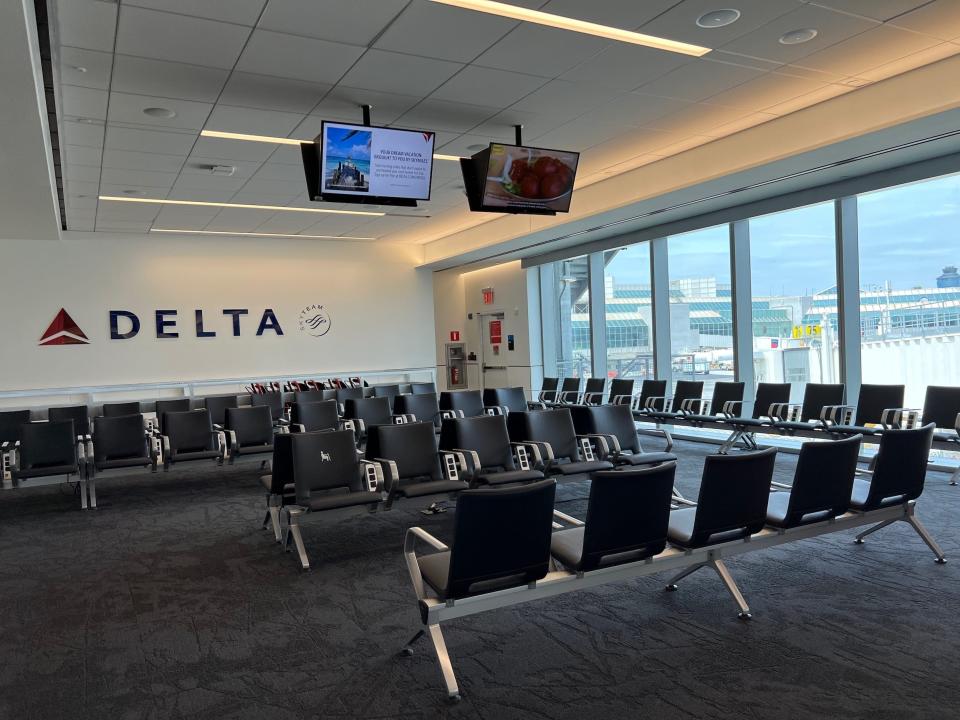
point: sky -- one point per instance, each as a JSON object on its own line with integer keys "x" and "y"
{"x": 357, "y": 146}
{"x": 908, "y": 234}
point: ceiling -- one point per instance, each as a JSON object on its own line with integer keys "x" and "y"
{"x": 279, "y": 67}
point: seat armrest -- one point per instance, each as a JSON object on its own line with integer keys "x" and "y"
{"x": 836, "y": 415}
{"x": 899, "y": 418}
{"x": 470, "y": 459}
{"x": 533, "y": 449}
{"x": 165, "y": 451}
{"x": 605, "y": 445}
{"x": 544, "y": 450}
{"x": 622, "y": 400}
{"x": 391, "y": 473}
{"x": 732, "y": 408}
{"x": 589, "y": 397}
{"x": 676, "y": 499}
{"x": 374, "y": 475}
{"x": 781, "y": 486}
{"x": 547, "y": 396}
{"x": 494, "y": 410}
{"x": 536, "y": 405}
{"x": 564, "y": 397}
{"x": 417, "y": 533}
{"x": 298, "y": 427}
{"x": 452, "y": 463}
{"x": 695, "y": 406}
{"x": 651, "y": 403}
{"x": 568, "y": 519}
{"x": 403, "y": 419}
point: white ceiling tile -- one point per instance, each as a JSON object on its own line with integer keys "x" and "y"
{"x": 234, "y": 149}
{"x": 166, "y": 36}
{"x": 343, "y": 104}
{"x": 179, "y": 192}
{"x": 624, "y": 67}
{"x": 868, "y": 50}
{"x": 638, "y": 109}
{"x": 334, "y": 225}
{"x": 159, "y": 78}
{"x": 138, "y": 178}
{"x": 288, "y": 155}
{"x": 625, "y": 14}
{"x": 83, "y": 173}
{"x": 483, "y": 86}
{"x": 252, "y": 121}
{"x": 463, "y": 146}
{"x": 698, "y": 119}
{"x": 290, "y": 188}
{"x": 924, "y": 57}
{"x": 80, "y": 202}
{"x": 123, "y": 211}
{"x": 827, "y": 92}
{"x": 286, "y": 222}
{"x": 123, "y": 226}
{"x": 765, "y": 91}
{"x": 699, "y": 80}
{"x": 181, "y": 217}
{"x": 272, "y": 93}
{"x": 129, "y": 108}
{"x": 444, "y": 32}
{"x": 206, "y": 181}
{"x": 832, "y": 27}
{"x": 95, "y": 66}
{"x": 355, "y": 22}
{"x": 83, "y": 102}
{"x": 133, "y": 160}
{"x": 747, "y": 121}
{"x": 86, "y": 24}
{"x": 403, "y": 74}
{"x": 939, "y": 19}
{"x": 565, "y": 100}
{"x": 262, "y": 199}
{"x": 386, "y": 225}
{"x": 164, "y": 142}
{"x": 278, "y": 171}
{"x": 300, "y": 58}
{"x": 242, "y": 12}
{"x": 81, "y": 155}
{"x": 77, "y": 187}
{"x": 580, "y": 134}
{"x": 680, "y": 22}
{"x": 877, "y": 9}
{"x": 500, "y": 126}
{"x": 448, "y": 116}
{"x": 540, "y": 50}
{"x": 238, "y": 220}
{"x": 197, "y": 164}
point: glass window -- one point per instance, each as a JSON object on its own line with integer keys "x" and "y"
{"x": 566, "y": 293}
{"x": 701, "y": 310}
{"x": 628, "y": 298}
{"x": 910, "y": 285}
{"x": 793, "y": 274}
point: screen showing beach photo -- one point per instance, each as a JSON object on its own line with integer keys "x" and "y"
{"x": 534, "y": 178}
{"x": 376, "y": 161}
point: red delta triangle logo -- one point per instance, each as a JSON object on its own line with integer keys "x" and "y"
{"x": 64, "y": 331}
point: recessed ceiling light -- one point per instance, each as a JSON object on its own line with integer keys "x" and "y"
{"x": 275, "y": 208}
{"x": 78, "y": 68}
{"x": 219, "y": 134}
{"x": 796, "y": 37}
{"x": 718, "y": 18}
{"x": 159, "y": 112}
{"x": 565, "y": 23}
{"x": 132, "y": 192}
{"x": 259, "y": 234}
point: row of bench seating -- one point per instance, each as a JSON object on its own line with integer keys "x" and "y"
{"x": 505, "y": 550}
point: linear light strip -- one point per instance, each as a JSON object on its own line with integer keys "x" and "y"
{"x": 244, "y": 206}
{"x": 286, "y": 141}
{"x": 581, "y": 26}
{"x": 259, "y": 234}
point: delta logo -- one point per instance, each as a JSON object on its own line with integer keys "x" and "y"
{"x": 64, "y": 331}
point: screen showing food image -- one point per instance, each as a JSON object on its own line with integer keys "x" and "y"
{"x": 376, "y": 161}
{"x": 525, "y": 177}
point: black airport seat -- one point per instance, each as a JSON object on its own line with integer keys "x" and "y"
{"x": 464, "y": 403}
{"x": 120, "y": 408}
{"x": 560, "y": 450}
{"x": 512, "y": 399}
{"x": 80, "y": 414}
{"x": 279, "y": 484}
{"x": 485, "y": 444}
{"x": 122, "y": 442}
{"x": 941, "y": 406}
{"x": 569, "y": 391}
{"x": 190, "y": 436}
{"x": 162, "y": 407}
{"x": 350, "y": 393}
{"x": 10, "y": 423}
{"x": 621, "y": 391}
{"x": 272, "y": 400}
{"x": 310, "y": 396}
{"x": 411, "y": 462}
{"x": 387, "y": 391}
{"x": 314, "y": 416}
{"x": 327, "y": 475}
{"x": 822, "y": 483}
{"x": 771, "y": 405}
{"x": 423, "y": 388}
{"x": 249, "y": 432}
{"x": 652, "y": 397}
{"x": 627, "y": 518}
{"x": 872, "y": 404}
{"x": 594, "y": 390}
{"x": 50, "y": 449}
{"x": 501, "y": 539}
{"x": 734, "y": 491}
{"x": 424, "y": 407}
{"x": 217, "y": 405}
{"x": 685, "y": 394}
{"x": 548, "y": 390}
{"x": 727, "y": 402}
{"x": 612, "y": 428}
{"x": 365, "y": 413}
{"x": 816, "y": 397}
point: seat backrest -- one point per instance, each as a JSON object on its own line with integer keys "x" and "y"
{"x": 549, "y": 385}
{"x": 501, "y": 538}
{"x": 315, "y": 415}
{"x": 272, "y": 400}
{"x": 595, "y": 386}
{"x": 620, "y": 386}
{"x": 469, "y": 401}
{"x": 412, "y": 446}
{"x": 80, "y": 414}
{"x": 486, "y": 434}
{"x": 817, "y": 396}
{"x": 651, "y": 389}
{"x": 767, "y": 395}
{"x": 628, "y": 512}
{"x": 309, "y": 396}
{"x": 190, "y": 431}
{"x": 823, "y": 480}
{"x": 217, "y": 405}
{"x": 616, "y": 420}
{"x": 423, "y": 388}
{"x": 512, "y": 398}
{"x": 554, "y": 427}
{"x": 941, "y": 405}
{"x": 686, "y": 390}
{"x": 570, "y": 385}
{"x": 252, "y": 425}
{"x": 162, "y": 407}
{"x": 733, "y": 498}
{"x": 349, "y": 393}
{"x": 10, "y": 422}
{"x": 387, "y": 391}
{"x": 373, "y": 411}
{"x": 874, "y": 399}
{"x": 901, "y": 465}
{"x": 323, "y": 461}
{"x": 119, "y": 437}
{"x": 47, "y": 444}
{"x": 121, "y": 408}
{"x": 424, "y": 407}
{"x": 724, "y": 392}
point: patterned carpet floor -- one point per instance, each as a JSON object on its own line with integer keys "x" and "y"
{"x": 169, "y": 601}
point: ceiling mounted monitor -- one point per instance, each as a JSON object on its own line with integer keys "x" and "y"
{"x": 520, "y": 180}
{"x": 368, "y": 164}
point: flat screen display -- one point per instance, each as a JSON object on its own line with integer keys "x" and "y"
{"x": 366, "y": 163}
{"x": 526, "y": 179}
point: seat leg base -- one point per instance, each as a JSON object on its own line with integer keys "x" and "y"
{"x": 446, "y": 667}
{"x": 408, "y": 648}
{"x": 721, "y": 569}
{"x": 859, "y": 539}
{"x": 273, "y": 512}
{"x": 672, "y": 584}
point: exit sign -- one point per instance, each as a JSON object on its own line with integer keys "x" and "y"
{"x": 487, "y": 295}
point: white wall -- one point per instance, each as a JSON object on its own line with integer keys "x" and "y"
{"x": 379, "y": 303}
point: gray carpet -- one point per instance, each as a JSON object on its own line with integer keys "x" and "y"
{"x": 170, "y": 602}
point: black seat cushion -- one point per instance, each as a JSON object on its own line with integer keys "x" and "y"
{"x": 194, "y": 455}
{"x": 431, "y": 487}
{"x": 255, "y": 449}
{"x": 114, "y": 463}
{"x": 332, "y": 501}
{"x": 650, "y": 458}
{"x": 44, "y": 471}
{"x": 861, "y": 491}
{"x": 680, "y": 531}
{"x": 856, "y": 429}
{"x": 779, "y": 504}
{"x": 792, "y": 425}
{"x": 584, "y": 466}
{"x": 509, "y": 476}
{"x": 267, "y": 480}
{"x": 567, "y": 547}
{"x": 749, "y": 422}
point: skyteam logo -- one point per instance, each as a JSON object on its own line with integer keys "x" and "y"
{"x": 314, "y": 320}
